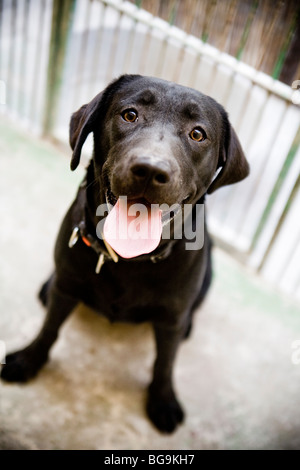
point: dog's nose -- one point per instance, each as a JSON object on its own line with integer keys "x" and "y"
{"x": 145, "y": 171}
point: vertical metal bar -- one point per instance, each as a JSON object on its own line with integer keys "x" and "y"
{"x": 162, "y": 55}
{"x": 98, "y": 41}
{"x": 276, "y": 189}
{"x": 24, "y": 34}
{"x": 129, "y": 49}
{"x": 79, "y": 84}
{"x": 33, "y": 103}
{"x": 280, "y": 264}
{"x": 1, "y": 38}
{"x": 147, "y": 41}
{"x": 11, "y": 59}
{"x": 259, "y": 168}
{"x": 195, "y": 70}
{"x": 4, "y": 53}
{"x": 113, "y": 47}
{"x": 180, "y": 60}
{"x": 62, "y": 16}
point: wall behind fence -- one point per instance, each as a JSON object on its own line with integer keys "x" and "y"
{"x": 52, "y": 68}
{"x": 263, "y": 33}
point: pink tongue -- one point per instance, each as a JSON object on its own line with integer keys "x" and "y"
{"x": 132, "y": 229}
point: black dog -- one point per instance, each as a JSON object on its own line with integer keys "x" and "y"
{"x": 156, "y": 143}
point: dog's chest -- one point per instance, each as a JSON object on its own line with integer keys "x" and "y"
{"x": 145, "y": 291}
{"x": 129, "y": 292}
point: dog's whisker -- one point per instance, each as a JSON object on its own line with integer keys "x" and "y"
{"x": 92, "y": 183}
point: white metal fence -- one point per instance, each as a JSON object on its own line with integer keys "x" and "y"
{"x": 259, "y": 218}
{"x": 24, "y": 50}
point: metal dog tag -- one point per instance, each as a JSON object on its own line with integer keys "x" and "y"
{"x": 100, "y": 263}
{"x": 74, "y": 237}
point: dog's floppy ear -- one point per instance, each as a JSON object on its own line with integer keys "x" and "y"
{"x": 233, "y": 163}
{"x": 83, "y": 121}
{"x": 81, "y": 124}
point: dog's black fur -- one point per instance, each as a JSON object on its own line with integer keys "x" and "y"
{"x": 153, "y": 158}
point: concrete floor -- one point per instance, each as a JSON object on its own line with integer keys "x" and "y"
{"x": 235, "y": 376}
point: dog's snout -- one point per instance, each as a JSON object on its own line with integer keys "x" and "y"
{"x": 148, "y": 172}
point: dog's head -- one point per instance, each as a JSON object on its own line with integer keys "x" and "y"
{"x": 158, "y": 142}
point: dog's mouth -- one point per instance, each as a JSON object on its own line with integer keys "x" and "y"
{"x": 134, "y": 227}
{"x": 167, "y": 212}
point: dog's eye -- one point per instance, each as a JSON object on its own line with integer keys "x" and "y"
{"x": 197, "y": 134}
{"x": 130, "y": 115}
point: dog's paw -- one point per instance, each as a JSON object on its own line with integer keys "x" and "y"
{"x": 21, "y": 366}
{"x": 164, "y": 414}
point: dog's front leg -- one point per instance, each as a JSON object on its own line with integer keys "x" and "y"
{"x": 162, "y": 406}
{"x": 24, "y": 364}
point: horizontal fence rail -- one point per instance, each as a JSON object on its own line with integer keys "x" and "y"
{"x": 103, "y": 39}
